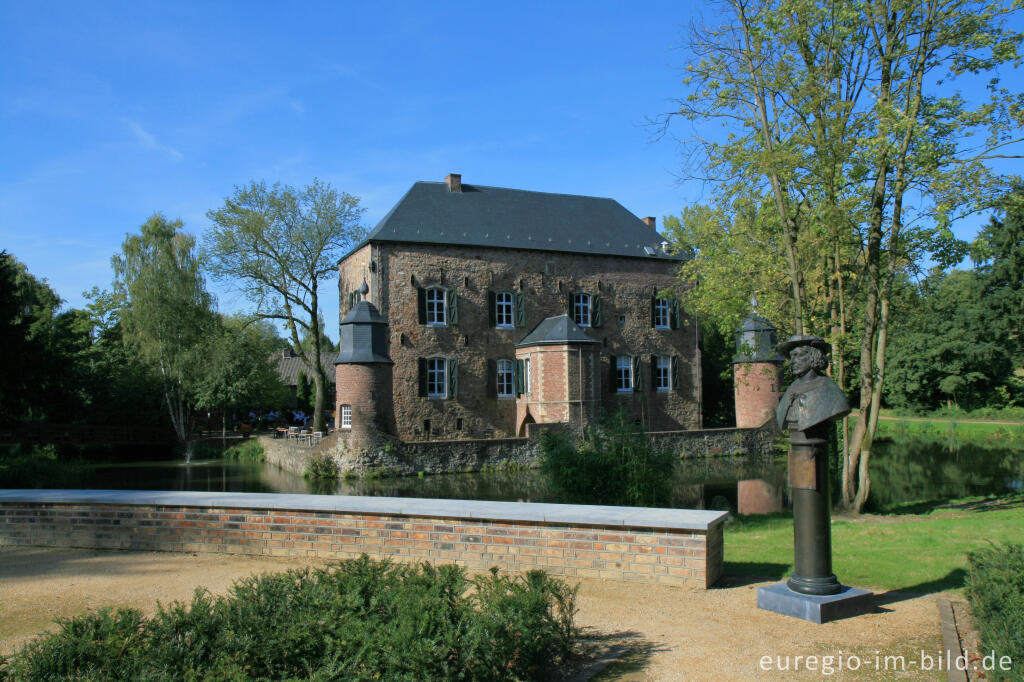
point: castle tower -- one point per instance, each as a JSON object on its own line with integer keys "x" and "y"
{"x": 757, "y": 371}
{"x": 363, "y": 374}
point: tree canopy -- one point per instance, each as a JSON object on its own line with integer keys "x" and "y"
{"x": 846, "y": 155}
{"x": 167, "y": 313}
{"x": 279, "y": 245}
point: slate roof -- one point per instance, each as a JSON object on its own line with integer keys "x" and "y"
{"x": 518, "y": 219}
{"x": 289, "y": 366}
{"x": 555, "y": 330}
{"x": 364, "y": 336}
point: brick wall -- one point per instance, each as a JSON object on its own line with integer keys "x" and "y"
{"x": 757, "y": 389}
{"x": 545, "y": 278}
{"x": 367, "y": 389}
{"x": 687, "y": 557}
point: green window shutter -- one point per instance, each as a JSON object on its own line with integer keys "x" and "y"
{"x": 517, "y": 378}
{"x": 595, "y": 311}
{"x": 654, "y": 373}
{"x": 421, "y": 304}
{"x": 519, "y": 311}
{"x": 453, "y": 378}
{"x": 638, "y": 377}
{"x": 674, "y": 371}
{"x": 452, "y": 304}
{"x": 654, "y": 304}
{"x": 612, "y": 375}
{"x": 492, "y": 309}
{"x": 491, "y": 368}
{"x": 571, "y": 311}
{"x": 674, "y": 313}
{"x": 422, "y": 376}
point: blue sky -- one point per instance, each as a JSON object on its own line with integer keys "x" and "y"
{"x": 111, "y": 111}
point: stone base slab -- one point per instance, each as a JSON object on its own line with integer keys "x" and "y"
{"x": 849, "y": 602}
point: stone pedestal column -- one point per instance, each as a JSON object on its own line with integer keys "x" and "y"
{"x": 812, "y": 530}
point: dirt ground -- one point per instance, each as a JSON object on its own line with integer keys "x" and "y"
{"x": 656, "y": 632}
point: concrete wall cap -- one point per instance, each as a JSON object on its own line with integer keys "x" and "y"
{"x": 590, "y": 515}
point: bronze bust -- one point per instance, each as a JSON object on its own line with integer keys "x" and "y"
{"x": 813, "y": 398}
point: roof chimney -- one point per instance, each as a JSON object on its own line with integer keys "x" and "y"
{"x": 454, "y": 182}
{"x": 650, "y": 221}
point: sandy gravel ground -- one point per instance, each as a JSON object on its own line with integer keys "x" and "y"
{"x": 665, "y": 633}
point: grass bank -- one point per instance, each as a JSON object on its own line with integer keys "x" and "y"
{"x": 913, "y": 552}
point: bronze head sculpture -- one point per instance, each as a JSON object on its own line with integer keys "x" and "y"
{"x": 812, "y": 398}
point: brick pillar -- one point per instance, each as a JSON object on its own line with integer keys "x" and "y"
{"x": 757, "y": 389}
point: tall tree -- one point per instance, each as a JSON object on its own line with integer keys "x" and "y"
{"x": 238, "y": 374}
{"x": 837, "y": 116}
{"x": 279, "y": 245}
{"x": 998, "y": 253}
{"x": 167, "y": 313}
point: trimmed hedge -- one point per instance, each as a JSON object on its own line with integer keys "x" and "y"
{"x": 995, "y": 587}
{"x": 356, "y": 620}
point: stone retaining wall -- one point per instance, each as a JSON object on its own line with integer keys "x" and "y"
{"x": 398, "y": 458}
{"x": 670, "y": 546}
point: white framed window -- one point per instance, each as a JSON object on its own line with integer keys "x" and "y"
{"x": 346, "y": 417}
{"x": 663, "y": 373}
{"x": 504, "y": 310}
{"x": 581, "y": 309}
{"x": 505, "y": 379}
{"x": 436, "y": 307}
{"x": 624, "y": 374}
{"x": 437, "y": 379}
{"x": 661, "y": 313}
{"x": 526, "y": 375}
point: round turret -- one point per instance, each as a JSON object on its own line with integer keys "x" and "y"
{"x": 757, "y": 371}
{"x": 363, "y": 374}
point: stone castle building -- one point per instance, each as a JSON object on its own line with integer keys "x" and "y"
{"x": 471, "y": 312}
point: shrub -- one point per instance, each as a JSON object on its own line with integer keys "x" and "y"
{"x": 246, "y": 451}
{"x": 357, "y": 620}
{"x": 321, "y": 466}
{"x": 613, "y": 463}
{"x": 38, "y": 466}
{"x": 995, "y": 587}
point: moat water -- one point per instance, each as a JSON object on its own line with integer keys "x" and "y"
{"x": 904, "y": 469}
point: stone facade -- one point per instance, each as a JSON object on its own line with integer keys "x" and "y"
{"x": 545, "y": 279}
{"x": 383, "y": 453}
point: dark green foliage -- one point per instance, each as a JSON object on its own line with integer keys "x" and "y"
{"x": 995, "y": 587}
{"x": 943, "y": 351}
{"x": 357, "y": 620}
{"x": 614, "y": 463}
{"x": 39, "y": 466}
{"x": 304, "y": 393}
{"x": 718, "y": 404}
{"x": 999, "y": 252}
{"x": 321, "y": 466}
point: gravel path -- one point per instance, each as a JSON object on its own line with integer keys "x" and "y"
{"x": 669, "y": 634}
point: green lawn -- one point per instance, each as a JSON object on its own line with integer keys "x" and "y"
{"x": 912, "y": 552}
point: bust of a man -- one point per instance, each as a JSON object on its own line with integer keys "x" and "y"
{"x": 813, "y": 398}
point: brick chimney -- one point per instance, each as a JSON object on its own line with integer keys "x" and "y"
{"x": 454, "y": 182}
{"x": 650, "y": 221}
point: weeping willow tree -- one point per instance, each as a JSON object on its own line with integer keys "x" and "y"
{"x": 167, "y": 313}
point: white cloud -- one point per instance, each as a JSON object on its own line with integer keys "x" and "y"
{"x": 147, "y": 140}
